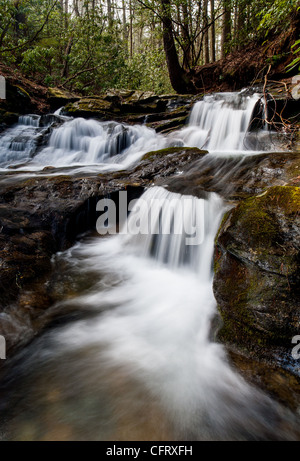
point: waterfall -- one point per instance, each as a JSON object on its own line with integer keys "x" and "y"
{"x": 182, "y": 230}
{"x": 133, "y": 355}
{"x": 18, "y": 143}
{"x": 88, "y": 142}
{"x": 30, "y": 120}
{"x": 76, "y": 142}
{"x": 154, "y": 325}
{"x": 220, "y": 122}
{"x": 140, "y": 363}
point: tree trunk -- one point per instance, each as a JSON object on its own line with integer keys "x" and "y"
{"x": 66, "y": 14}
{"x": 109, "y": 13}
{"x": 20, "y": 18}
{"x": 186, "y": 37}
{"x": 76, "y": 8}
{"x": 212, "y": 32}
{"x": 65, "y": 70}
{"x": 226, "y": 28}
{"x": 205, "y": 24}
{"x": 131, "y": 28}
{"x": 240, "y": 25}
{"x": 124, "y": 24}
{"x": 178, "y": 77}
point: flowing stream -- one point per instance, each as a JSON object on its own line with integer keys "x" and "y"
{"x": 134, "y": 356}
{"x": 77, "y": 142}
{"x": 220, "y": 123}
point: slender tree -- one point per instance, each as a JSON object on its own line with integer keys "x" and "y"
{"x": 109, "y": 13}
{"x": 205, "y": 32}
{"x": 178, "y": 77}
{"x": 212, "y": 32}
{"x": 226, "y": 28}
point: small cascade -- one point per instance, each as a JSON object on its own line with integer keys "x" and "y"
{"x": 179, "y": 230}
{"x": 30, "y": 120}
{"x": 153, "y": 331}
{"x": 18, "y": 143}
{"x": 220, "y": 122}
{"x": 143, "y": 343}
{"x": 58, "y": 111}
{"x": 88, "y": 142}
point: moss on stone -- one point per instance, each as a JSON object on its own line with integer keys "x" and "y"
{"x": 256, "y": 268}
{"x": 29, "y": 182}
{"x": 285, "y": 197}
{"x": 57, "y": 93}
{"x": 9, "y": 118}
{"x": 256, "y": 222}
{"x": 172, "y": 150}
{"x": 59, "y": 179}
{"x": 292, "y": 165}
{"x": 88, "y": 105}
{"x": 23, "y": 92}
{"x": 255, "y": 215}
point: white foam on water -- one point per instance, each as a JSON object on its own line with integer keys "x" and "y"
{"x": 220, "y": 122}
{"x": 154, "y": 322}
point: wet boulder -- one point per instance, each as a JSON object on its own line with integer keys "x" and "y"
{"x": 17, "y": 101}
{"x": 257, "y": 276}
{"x": 58, "y": 98}
{"x": 164, "y": 113}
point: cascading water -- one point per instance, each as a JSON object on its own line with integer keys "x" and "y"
{"x": 221, "y": 121}
{"x": 89, "y": 142}
{"x": 218, "y": 123}
{"x": 77, "y": 142}
{"x": 135, "y": 358}
{"x": 141, "y": 363}
{"x": 184, "y": 229}
{"x": 19, "y": 142}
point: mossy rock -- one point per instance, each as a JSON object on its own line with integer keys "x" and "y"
{"x": 58, "y": 98}
{"x": 166, "y": 126}
{"x": 93, "y": 105}
{"x": 18, "y": 101}
{"x": 23, "y": 93}
{"x": 8, "y": 118}
{"x": 89, "y": 107}
{"x": 257, "y": 276}
{"x": 132, "y": 107}
{"x": 142, "y": 97}
{"x": 113, "y": 95}
{"x": 58, "y": 93}
{"x": 171, "y": 151}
